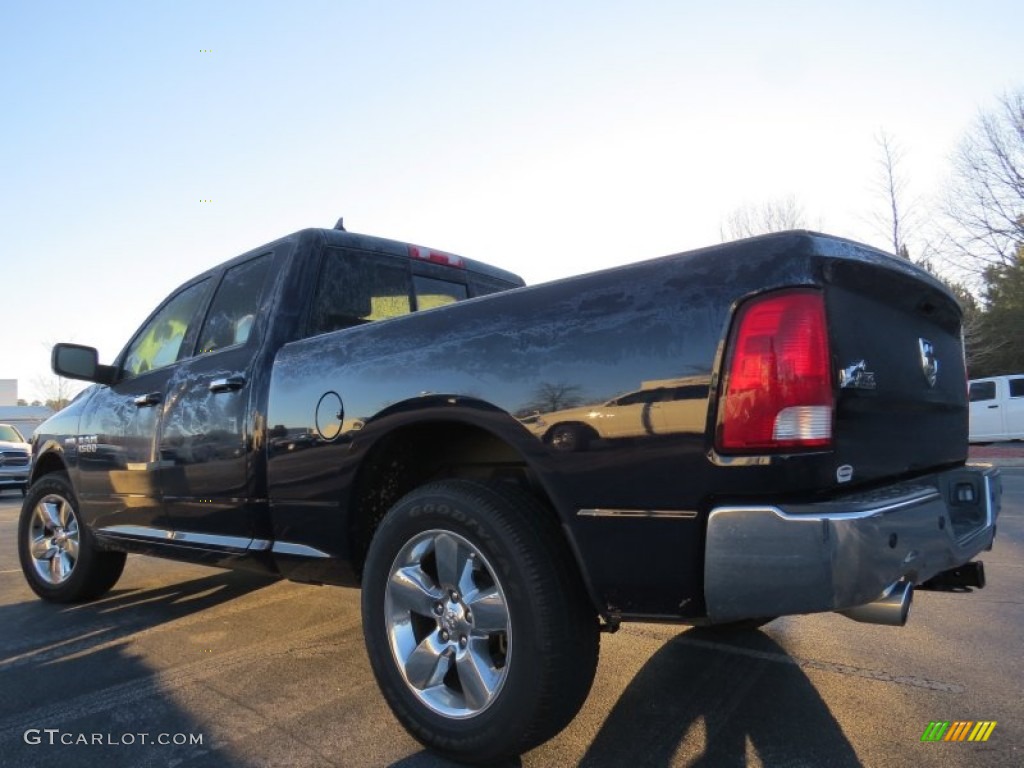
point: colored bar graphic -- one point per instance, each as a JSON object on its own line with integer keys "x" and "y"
{"x": 982, "y": 731}
{"x": 958, "y": 730}
{"x": 935, "y": 731}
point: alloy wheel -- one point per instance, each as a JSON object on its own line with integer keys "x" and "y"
{"x": 448, "y": 624}
{"x": 53, "y": 539}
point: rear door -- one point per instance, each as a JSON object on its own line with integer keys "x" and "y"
{"x": 986, "y": 410}
{"x": 206, "y": 439}
{"x": 682, "y": 408}
{"x": 1014, "y": 415}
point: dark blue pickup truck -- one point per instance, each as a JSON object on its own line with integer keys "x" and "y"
{"x": 768, "y": 427}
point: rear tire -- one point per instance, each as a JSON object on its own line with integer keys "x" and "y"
{"x": 59, "y": 555}
{"x": 476, "y": 622}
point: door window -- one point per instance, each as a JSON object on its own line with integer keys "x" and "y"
{"x": 643, "y": 397}
{"x": 1016, "y": 387}
{"x": 689, "y": 392}
{"x": 159, "y": 342}
{"x": 234, "y": 307}
{"x": 983, "y": 390}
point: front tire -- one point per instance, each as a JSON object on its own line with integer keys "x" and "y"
{"x": 476, "y": 622}
{"x": 58, "y": 554}
{"x": 569, "y": 438}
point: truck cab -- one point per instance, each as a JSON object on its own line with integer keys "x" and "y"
{"x": 997, "y": 408}
{"x": 168, "y": 451}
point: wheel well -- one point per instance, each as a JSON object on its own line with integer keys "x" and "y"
{"x": 414, "y": 455}
{"x": 45, "y": 464}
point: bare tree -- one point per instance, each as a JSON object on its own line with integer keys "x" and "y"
{"x": 55, "y": 391}
{"x": 772, "y": 216}
{"x": 892, "y": 187}
{"x": 985, "y": 204}
{"x": 552, "y": 396}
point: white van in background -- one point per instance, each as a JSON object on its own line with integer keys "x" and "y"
{"x": 997, "y": 408}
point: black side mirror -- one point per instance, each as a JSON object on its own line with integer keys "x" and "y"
{"x": 74, "y": 361}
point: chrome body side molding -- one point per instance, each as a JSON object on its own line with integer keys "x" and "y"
{"x": 661, "y": 514}
{"x": 238, "y": 544}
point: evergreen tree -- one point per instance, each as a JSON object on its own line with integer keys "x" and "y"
{"x": 999, "y": 348}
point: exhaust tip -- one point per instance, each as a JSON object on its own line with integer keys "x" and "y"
{"x": 891, "y": 609}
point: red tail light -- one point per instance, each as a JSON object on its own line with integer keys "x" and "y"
{"x": 778, "y": 383}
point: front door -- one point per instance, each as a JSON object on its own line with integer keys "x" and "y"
{"x": 118, "y": 460}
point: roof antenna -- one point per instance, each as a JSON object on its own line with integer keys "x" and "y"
{"x": 341, "y": 224}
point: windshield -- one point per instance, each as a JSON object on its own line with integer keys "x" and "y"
{"x": 10, "y": 434}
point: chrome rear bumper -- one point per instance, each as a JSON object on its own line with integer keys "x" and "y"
{"x": 775, "y": 560}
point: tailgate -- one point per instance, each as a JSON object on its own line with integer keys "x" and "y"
{"x": 901, "y": 404}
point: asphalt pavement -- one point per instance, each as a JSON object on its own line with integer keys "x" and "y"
{"x": 189, "y": 666}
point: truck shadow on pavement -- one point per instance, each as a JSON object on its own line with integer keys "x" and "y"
{"x": 706, "y": 699}
{"x": 71, "y": 669}
{"x": 29, "y": 627}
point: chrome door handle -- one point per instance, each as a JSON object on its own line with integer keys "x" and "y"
{"x": 147, "y": 400}
{"x": 228, "y": 384}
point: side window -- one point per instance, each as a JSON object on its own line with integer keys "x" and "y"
{"x": 1016, "y": 387}
{"x": 432, "y": 293}
{"x": 355, "y": 288}
{"x": 159, "y": 342}
{"x": 983, "y": 390}
{"x": 234, "y": 307}
{"x": 642, "y": 397}
{"x": 689, "y": 392}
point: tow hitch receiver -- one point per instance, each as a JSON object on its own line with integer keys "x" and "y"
{"x": 967, "y": 575}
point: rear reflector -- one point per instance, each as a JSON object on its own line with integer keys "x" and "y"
{"x": 777, "y": 393}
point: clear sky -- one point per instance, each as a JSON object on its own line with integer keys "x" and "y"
{"x": 549, "y": 138}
